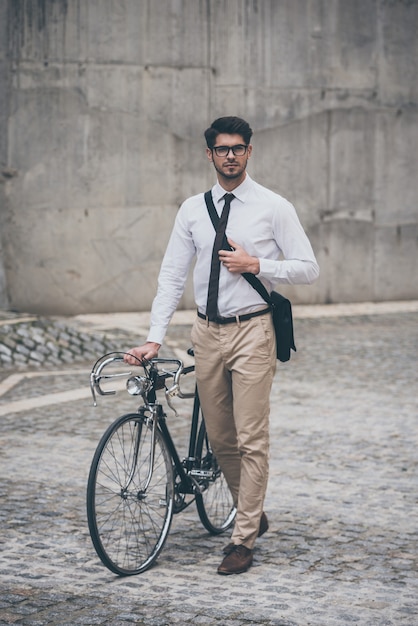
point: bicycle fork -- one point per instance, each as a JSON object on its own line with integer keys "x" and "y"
{"x": 152, "y": 421}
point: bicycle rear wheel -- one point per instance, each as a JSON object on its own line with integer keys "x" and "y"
{"x": 214, "y": 505}
{"x": 129, "y": 520}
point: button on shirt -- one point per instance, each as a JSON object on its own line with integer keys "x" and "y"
{"x": 262, "y": 222}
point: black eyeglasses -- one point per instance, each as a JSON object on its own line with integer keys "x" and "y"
{"x": 223, "y": 151}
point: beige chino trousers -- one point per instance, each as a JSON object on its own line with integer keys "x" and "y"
{"x": 235, "y": 365}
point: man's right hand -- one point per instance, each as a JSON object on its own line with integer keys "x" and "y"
{"x": 147, "y": 351}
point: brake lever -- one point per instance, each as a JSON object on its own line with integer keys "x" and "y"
{"x": 171, "y": 393}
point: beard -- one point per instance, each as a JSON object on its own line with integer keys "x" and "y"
{"x": 236, "y": 173}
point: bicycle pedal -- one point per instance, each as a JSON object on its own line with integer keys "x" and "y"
{"x": 199, "y": 473}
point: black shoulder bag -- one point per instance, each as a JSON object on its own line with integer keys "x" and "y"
{"x": 280, "y": 306}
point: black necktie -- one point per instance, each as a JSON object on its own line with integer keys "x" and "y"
{"x": 212, "y": 303}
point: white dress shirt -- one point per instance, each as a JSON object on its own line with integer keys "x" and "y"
{"x": 262, "y": 222}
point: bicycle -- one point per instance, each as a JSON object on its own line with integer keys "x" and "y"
{"x": 137, "y": 481}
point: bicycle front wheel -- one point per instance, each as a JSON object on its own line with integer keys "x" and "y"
{"x": 130, "y": 502}
{"x": 214, "y": 505}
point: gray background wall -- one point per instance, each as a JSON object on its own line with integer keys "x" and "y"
{"x": 102, "y": 108}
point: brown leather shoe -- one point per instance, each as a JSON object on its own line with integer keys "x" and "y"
{"x": 264, "y": 526}
{"x": 237, "y": 561}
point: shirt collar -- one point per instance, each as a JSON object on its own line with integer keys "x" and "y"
{"x": 239, "y": 192}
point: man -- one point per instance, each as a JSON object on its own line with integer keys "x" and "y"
{"x": 233, "y": 335}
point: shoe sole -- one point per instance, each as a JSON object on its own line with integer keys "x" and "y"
{"x": 241, "y": 571}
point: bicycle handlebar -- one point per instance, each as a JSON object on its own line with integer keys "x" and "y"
{"x": 153, "y": 380}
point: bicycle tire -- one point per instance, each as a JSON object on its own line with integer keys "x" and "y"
{"x": 128, "y": 526}
{"x": 215, "y": 504}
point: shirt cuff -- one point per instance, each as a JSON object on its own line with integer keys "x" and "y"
{"x": 268, "y": 268}
{"x": 156, "y": 334}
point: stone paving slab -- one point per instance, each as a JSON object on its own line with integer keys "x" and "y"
{"x": 342, "y": 499}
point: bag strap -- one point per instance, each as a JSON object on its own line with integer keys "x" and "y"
{"x": 250, "y": 278}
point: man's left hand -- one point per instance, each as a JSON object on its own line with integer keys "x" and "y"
{"x": 238, "y": 260}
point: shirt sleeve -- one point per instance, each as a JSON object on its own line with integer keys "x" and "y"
{"x": 172, "y": 278}
{"x": 299, "y": 265}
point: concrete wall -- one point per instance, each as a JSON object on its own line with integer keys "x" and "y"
{"x": 103, "y": 107}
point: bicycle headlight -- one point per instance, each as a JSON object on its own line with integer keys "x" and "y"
{"x": 138, "y": 385}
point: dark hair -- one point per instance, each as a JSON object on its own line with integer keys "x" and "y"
{"x": 230, "y": 126}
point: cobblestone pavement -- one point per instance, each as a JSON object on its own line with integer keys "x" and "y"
{"x": 342, "y": 500}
